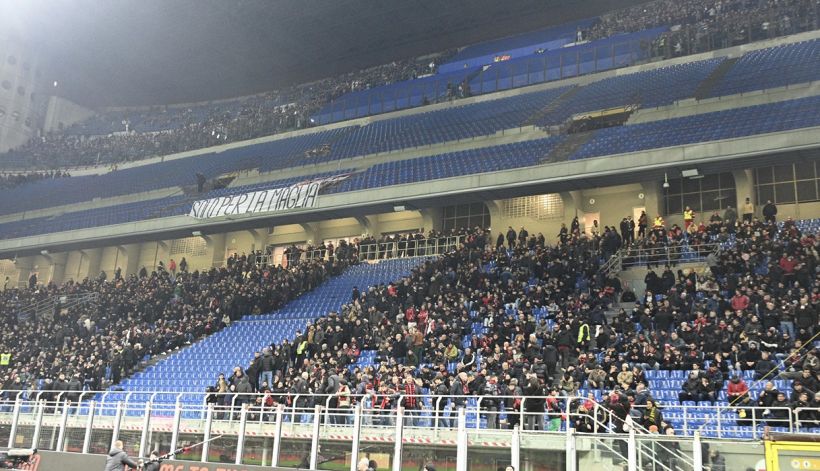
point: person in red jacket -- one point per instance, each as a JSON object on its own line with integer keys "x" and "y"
{"x": 739, "y": 301}
{"x": 738, "y": 392}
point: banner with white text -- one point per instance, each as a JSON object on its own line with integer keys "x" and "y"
{"x": 297, "y": 196}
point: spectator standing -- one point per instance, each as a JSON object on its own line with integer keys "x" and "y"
{"x": 769, "y": 211}
{"x": 748, "y": 210}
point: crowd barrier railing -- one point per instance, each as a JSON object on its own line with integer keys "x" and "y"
{"x": 90, "y": 422}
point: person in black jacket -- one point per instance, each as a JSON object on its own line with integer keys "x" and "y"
{"x": 153, "y": 463}
{"x": 511, "y": 235}
{"x": 534, "y": 406}
{"x": 770, "y": 211}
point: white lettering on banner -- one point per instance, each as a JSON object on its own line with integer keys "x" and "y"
{"x": 297, "y": 196}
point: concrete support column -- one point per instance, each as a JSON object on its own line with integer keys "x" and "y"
{"x": 313, "y": 235}
{"x": 744, "y": 187}
{"x": 431, "y": 218}
{"x": 57, "y": 269}
{"x": 161, "y": 253}
{"x": 215, "y": 245}
{"x": 26, "y": 267}
{"x": 132, "y": 253}
{"x": 653, "y": 199}
{"x": 497, "y": 222}
{"x": 573, "y": 204}
{"x": 370, "y": 225}
{"x": 93, "y": 258}
{"x": 260, "y": 238}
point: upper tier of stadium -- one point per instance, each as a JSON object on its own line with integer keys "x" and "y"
{"x": 656, "y": 30}
{"x": 416, "y": 145}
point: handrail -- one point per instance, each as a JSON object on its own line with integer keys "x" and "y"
{"x": 643, "y": 450}
{"x": 630, "y": 256}
{"x": 789, "y": 419}
{"x": 368, "y": 252}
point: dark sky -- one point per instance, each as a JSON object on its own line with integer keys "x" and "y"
{"x": 137, "y": 52}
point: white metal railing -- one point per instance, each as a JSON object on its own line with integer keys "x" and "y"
{"x": 90, "y": 421}
{"x": 368, "y": 252}
{"x": 666, "y": 254}
{"x": 661, "y": 255}
{"x": 409, "y": 248}
{"x": 722, "y": 421}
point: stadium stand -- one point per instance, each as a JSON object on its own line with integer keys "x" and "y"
{"x": 237, "y": 343}
{"x": 554, "y": 106}
{"x": 587, "y": 58}
{"x": 771, "y": 68}
{"x": 516, "y": 46}
{"x": 700, "y": 26}
{"x": 520, "y": 329}
{"x": 738, "y": 122}
{"x": 479, "y": 334}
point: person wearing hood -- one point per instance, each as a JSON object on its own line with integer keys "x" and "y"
{"x": 117, "y": 459}
{"x": 267, "y": 365}
{"x": 243, "y": 391}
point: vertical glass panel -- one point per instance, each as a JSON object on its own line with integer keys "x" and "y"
{"x": 737, "y": 456}
{"x": 223, "y": 450}
{"x": 542, "y": 452}
{"x": 257, "y": 451}
{"x": 186, "y": 440}
{"x": 100, "y": 441}
{"x": 74, "y": 437}
{"x": 784, "y": 193}
{"x": 414, "y": 457}
{"x": 294, "y": 453}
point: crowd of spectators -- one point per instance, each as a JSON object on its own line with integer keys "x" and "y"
{"x": 549, "y": 330}
{"x": 11, "y": 180}
{"x": 95, "y": 344}
{"x": 704, "y": 25}
{"x": 697, "y": 26}
{"x": 110, "y": 138}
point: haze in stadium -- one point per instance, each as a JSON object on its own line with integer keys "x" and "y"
{"x": 410, "y": 235}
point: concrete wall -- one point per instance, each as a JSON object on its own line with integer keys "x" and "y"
{"x": 62, "y": 113}
{"x": 19, "y": 114}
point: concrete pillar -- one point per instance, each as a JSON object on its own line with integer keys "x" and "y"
{"x": 57, "y": 264}
{"x": 370, "y": 225}
{"x": 744, "y": 186}
{"x": 573, "y": 204}
{"x": 131, "y": 264}
{"x": 313, "y": 235}
{"x": 94, "y": 257}
{"x": 260, "y": 238}
{"x": 496, "y": 217}
{"x": 215, "y": 244}
{"x": 431, "y": 219}
{"x": 161, "y": 253}
{"x": 653, "y": 199}
{"x": 26, "y": 267}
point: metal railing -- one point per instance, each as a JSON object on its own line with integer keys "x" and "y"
{"x": 369, "y": 252}
{"x": 716, "y": 420}
{"x": 662, "y": 255}
{"x": 44, "y": 308}
{"x": 89, "y": 422}
{"x": 410, "y": 248}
